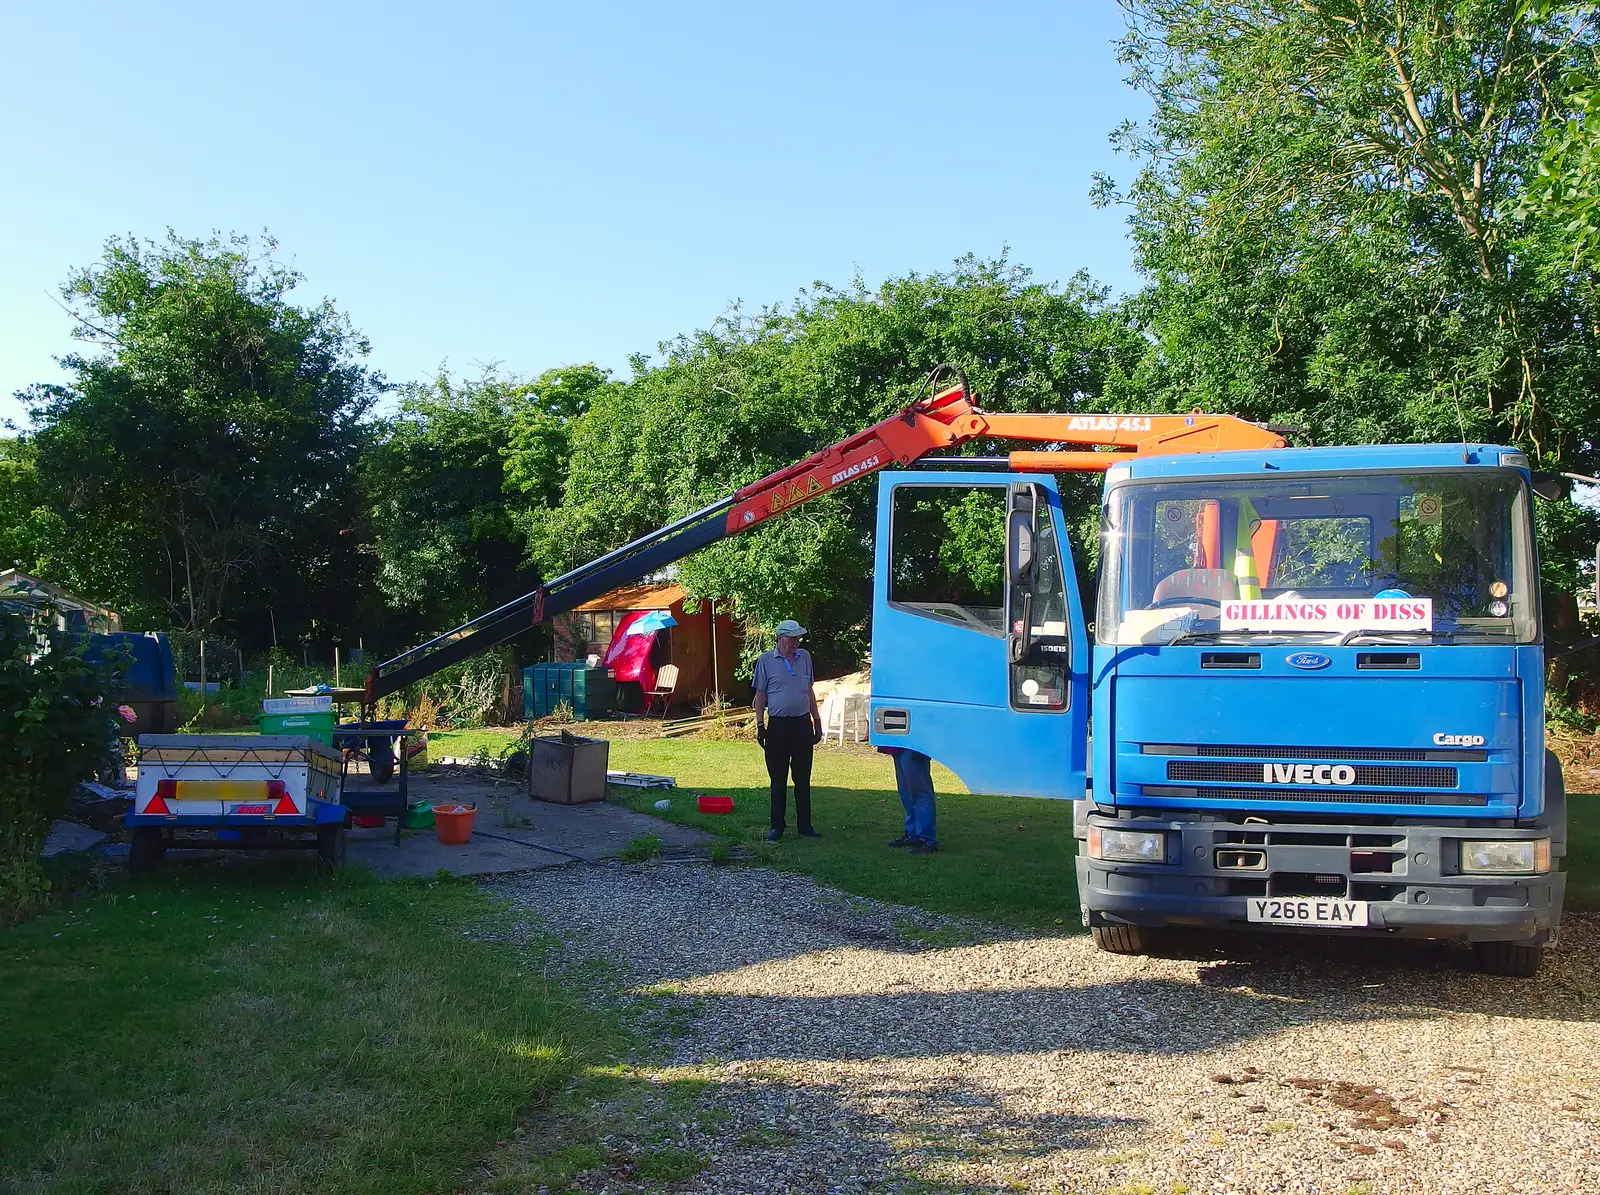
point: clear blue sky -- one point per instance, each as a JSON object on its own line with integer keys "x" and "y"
{"x": 540, "y": 184}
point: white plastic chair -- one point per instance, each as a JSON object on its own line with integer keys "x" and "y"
{"x": 855, "y": 716}
{"x": 833, "y": 718}
{"x": 841, "y": 710}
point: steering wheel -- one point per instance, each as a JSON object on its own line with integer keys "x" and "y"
{"x": 1184, "y": 601}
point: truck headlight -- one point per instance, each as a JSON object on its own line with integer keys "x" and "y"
{"x": 1128, "y": 846}
{"x": 1524, "y": 857}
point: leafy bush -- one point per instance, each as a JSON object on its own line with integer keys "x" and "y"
{"x": 55, "y": 730}
{"x": 485, "y": 690}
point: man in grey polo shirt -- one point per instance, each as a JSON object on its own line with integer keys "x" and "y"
{"x": 788, "y": 725}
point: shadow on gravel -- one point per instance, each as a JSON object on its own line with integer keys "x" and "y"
{"x": 1421, "y": 976}
{"x": 1131, "y": 1017}
{"x": 639, "y": 1131}
{"x": 1248, "y": 988}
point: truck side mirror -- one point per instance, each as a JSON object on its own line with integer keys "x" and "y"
{"x": 1552, "y": 487}
{"x": 1021, "y": 546}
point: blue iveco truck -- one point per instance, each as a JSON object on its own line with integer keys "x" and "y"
{"x": 1316, "y": 686}
{"x": 1317, "y": 679}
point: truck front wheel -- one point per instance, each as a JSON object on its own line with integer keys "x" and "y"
{"x": 1122, "y": 939}
{"x": 1519, "y": 960}
{"x": 146, "y": 848}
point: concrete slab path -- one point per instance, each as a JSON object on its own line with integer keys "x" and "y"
{"x": 511, "y": 833}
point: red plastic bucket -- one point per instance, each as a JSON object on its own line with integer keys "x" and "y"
{"x": 709, "y": 804}
{"x": 453, "y": 823}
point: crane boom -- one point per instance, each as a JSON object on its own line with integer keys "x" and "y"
{"x": 946, "y": 420}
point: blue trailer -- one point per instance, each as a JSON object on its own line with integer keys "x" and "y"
{"x": 1316, "y": 688}
{"x": 241, "y": 791}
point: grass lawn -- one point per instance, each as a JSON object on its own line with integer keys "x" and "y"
{"x": 1004, "y": 859}
{"x": 1583, "y": 852}
{"x": 266, "y": 1028}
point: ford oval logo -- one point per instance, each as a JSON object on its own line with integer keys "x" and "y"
{"x": 1309, "y": 661}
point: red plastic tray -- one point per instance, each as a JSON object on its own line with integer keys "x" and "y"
{"x": 709, "y": 804}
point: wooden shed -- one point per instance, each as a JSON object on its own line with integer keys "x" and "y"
{"x": 705, "y": 647}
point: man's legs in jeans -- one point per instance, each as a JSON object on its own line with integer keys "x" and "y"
{"x": 913, "y": 774}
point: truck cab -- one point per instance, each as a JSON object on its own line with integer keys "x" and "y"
{"x": 1316, "y": 686}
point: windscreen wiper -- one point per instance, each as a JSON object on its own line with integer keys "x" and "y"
{"x": 1383, "y": 636}
{"x": 1193, "y": 637}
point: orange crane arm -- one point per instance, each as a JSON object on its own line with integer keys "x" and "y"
{"x": 949, "y": 419}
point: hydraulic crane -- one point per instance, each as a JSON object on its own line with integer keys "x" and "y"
{"x": 946, "y": 420}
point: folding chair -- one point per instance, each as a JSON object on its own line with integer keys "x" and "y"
{"x": 666, "y": 685}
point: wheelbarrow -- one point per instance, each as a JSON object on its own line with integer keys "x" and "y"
{"x": 376, "y": 750}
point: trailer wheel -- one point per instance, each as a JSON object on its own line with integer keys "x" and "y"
{"x": 330, "y": 844}
{"x": 1122, "y": 939}
{"x": 146, "y": 849}
{"x": 1518, "y": 960}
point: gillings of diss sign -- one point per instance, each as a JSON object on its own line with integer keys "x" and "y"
{"x": 1361, "y": 614}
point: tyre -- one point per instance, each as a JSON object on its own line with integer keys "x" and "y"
{"x": 1519, "y": 960}
{"x": 1555, "y": 804}
{"x": 380, "y": 763}
{"x": 146, "y": 849}
{"x": 1122, "y": 939}
{"x": 330, "y": 844}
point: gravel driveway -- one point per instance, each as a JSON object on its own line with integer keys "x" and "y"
{"x": 845, "y": 1053}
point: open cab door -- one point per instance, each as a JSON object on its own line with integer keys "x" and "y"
{"x": 979, "y": 653}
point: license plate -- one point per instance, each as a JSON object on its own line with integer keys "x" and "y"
{"x": 1307, "y": 910}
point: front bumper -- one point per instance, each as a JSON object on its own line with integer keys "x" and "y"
{"x": 1419, "y": 898}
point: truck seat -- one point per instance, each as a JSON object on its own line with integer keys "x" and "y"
{"x": 1207, "y": 584}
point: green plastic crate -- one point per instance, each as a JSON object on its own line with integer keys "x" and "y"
{"x": 317, "y": 725}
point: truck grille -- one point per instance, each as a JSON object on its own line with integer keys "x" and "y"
{"x": 1369, "y": 775}
{"x": 1340, "y": 796}
{"x": 1259, "y": 751}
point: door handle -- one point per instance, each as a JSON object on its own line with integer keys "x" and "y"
{"x": 891, "y": 721}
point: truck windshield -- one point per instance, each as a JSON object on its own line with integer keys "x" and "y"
{"x": 1435, "y": 557}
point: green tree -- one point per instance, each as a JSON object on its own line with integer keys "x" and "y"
{"x": 735, "y": 402}
{"x": 454, "y": 475}
{"x": 1566, "y": 189}
{"x": 206, "y": 439}
{"x": 20, "y": 506}
{"x": 53, "y": 540}
{"x": 1329, "y": 209}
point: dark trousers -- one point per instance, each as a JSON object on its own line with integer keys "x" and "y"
{"x": 789, "y": 749}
